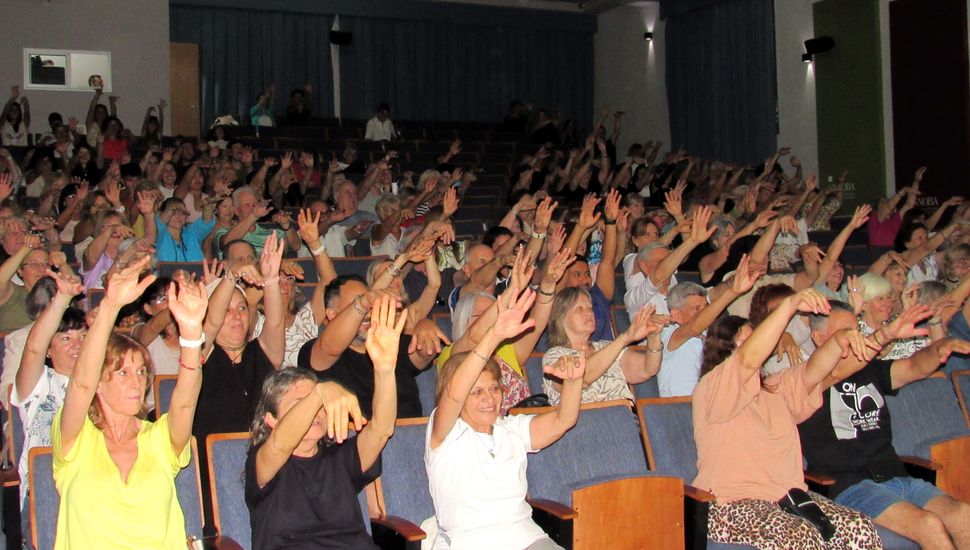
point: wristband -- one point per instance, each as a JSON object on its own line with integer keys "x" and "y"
{"x": 544, "y": 293}
{"x": 535, "y": 235}
{"x": 359, "y": 308}
{"x": 934, "y": 322}
{"x": 610, "y": 222}
{"x": 394, "y": 271}
{"x": 192, "y": 343}
{"x": 186, "y": 367}
{"x": 318, "y": 250}
{"x": 271, "y": 280}
{"x": 479, "y": 355}
{"x": 658, "y": 350}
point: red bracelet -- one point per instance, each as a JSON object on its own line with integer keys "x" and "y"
{"x": 182, "y": 365}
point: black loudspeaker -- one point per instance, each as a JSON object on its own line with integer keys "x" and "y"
{"x": 818, "y": 45}
{"x": 341, "y": 38}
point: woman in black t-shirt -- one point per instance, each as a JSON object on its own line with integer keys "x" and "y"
{"x": 234, "y": 371}
{"x": 302, "y": 492}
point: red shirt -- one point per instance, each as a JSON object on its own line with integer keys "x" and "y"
{"x": 882, "y": 233}
{"x": 115, "y": 148}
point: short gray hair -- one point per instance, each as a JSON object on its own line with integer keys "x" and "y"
{"x": 645, "y": 250}
{"x": 819, "y": 321}
{"x": 677, "y": 296}
{"x": 238, "y": 193}
{"x": 387, "y": 200}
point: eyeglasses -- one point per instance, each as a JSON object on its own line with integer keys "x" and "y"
{"x": 161, "y": 298}
{"x": 39, "y": 266}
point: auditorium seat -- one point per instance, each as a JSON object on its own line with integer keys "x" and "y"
{"x": 427, "y": 382}
{"x": 931, "y": 434}
{"x": 353, "y": 266}
{"x": 668, "y": 438}
{"x": 164, "y": 385}
{"x": 443, "y": 320}
{"x": 533, "y": 373}
{"x": 596, "y": 477}
{"x": 168, "y": 269}
{"x": 309, "y": 266}
{"x": 621, "y": 320}
{"x": 403, "y": 487}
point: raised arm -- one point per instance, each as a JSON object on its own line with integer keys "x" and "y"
{"x": 699, "y": 232}
{"x": 605, "y": 275}
{"x": 42, "y": 332}
{"x": 188, "y": 307}
{"x": 546, "y": 428}
{"x": 245, "y": 225}
{"x": 89, "y": 119}
{"x": 339, "y": 333}
{"x": 744, "y": 280}
{"x": 508, "y": 324}
{"x": 753, "y": 353}
{"x": 555, "y": 268}
{"x": 272, "y": 338}
{"x": 310, "y": 233}
{"x": 123, "y": 288}
{"x": 9, "y": 268}
{"x": 859, "y": 219}
{"x": 383, "y": 339}
{"x": 587, "y": 219}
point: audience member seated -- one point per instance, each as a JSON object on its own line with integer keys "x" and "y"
{"x": 30, "y": 263}
{"x": 852, "y": 442}
{"x": 292, "y": 473}
{"x": 748, "y": 453}
{"x": 471, "y": 450}
{"x": 115, "y": 472}
{"x": 380, "y": 128}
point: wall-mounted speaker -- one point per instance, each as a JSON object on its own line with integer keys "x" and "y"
{"x": 341, "y": 38}
{"x": 818, "y": 45}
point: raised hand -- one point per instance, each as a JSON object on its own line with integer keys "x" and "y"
{"x": 188, "y": 306}
{"x": 744, "y": 276}
{"x": 850, "y": 340}
{"x": 212, "y": 270}
{"x": 812, "y": 253}
{"x": 262, "y": 209}
{"x": 950, "y": 346}
{"x": 918, "y": 177}
{"x": 428, "y": 338}
{"x": 339, "y": 404}
{"x": 556, "y": 239}
{"x": 904, "y": 325}
{"x": 287, "y": 161}
{"x": 68, "y": 285}
{"x": 588, "y": 215}
{"x": 512, "y": 309}
{"x": 124, "y": 287}
{"x": 522, "y": 270}
{"x": 764, "y": 218}
{"x": 699, "y": 230}
{"x": 558, "y": 264}
{"x": 309, "y": 225}
{"x": 674, "y": 203}
{"x": 289, "y": 268}
{"x": 787, "y": 346}
{"x": 449, "y": 204}
{"x": 543, "y": 215}
{"x": 810, "y": 301}
{"x": 272, "y": 256}
{"x": 384, "y": 334}
{"x": 611, "y": 208}
{"x": 6, "y": 186}
{"x": 146, "y": 203}
{"x": 643, "y": 325}
{"x": 856, "y": 291}
{"x": 568, "y": 367}
{"x": 861, "y": 216}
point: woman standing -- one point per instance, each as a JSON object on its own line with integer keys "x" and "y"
{"x": 115, "y": 472}
{"x": 471, "y": 450}
{"x": 15, "y": 120}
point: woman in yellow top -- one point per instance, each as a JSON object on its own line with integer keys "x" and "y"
{"x": 473, "y": 318}
{"x": 115, "y": 472}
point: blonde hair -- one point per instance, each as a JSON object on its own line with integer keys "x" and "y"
{"x": 565, "y": 299}
{"x": 119, "y": 346}
{"x": 451, "y": 367}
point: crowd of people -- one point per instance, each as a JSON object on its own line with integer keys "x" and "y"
{"x": 731, "y": 298}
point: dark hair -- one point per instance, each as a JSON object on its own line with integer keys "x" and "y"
{"x": 73, "y": 319}
{"x": 54, "y": 116}
{"x": 762, "y": 299}
{"x": 904, "y": 235}
{"x": 130, "y": 170}
{"x": 39, "y": 296}
{"x": 107, "y": 121}
{"x": 719, "y": 342}
{"x": 297, "y": 91}
{"x": 225, "y": 247}
{"x": 383, "y": 107}
{"x": 159, "y": 287}
{"x": 275, "y": 386}
{"x": 332, "y": 291}
{"x": 494, "y": 233}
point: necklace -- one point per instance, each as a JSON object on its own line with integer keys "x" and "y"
{"x": 490, "y": 449}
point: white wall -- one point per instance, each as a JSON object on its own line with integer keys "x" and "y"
{"x": 797, "y": 125}
{"x": 134, "y": 31}
{"x": 630, "y": 73}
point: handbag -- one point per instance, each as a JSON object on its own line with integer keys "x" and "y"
{"x": 797, "y": 503}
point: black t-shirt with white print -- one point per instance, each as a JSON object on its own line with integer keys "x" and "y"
{"x": 850, "y": 437}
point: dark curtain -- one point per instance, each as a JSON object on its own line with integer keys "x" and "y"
{"x": 429, "y": 70}
{"x": 243, "y": 51}
{"x": 721, "y": 79}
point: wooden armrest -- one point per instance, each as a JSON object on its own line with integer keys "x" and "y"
{"x": 552, "y": 507}
{"x": 699, "y": 495}
{"x": 820, "y": 479}
{"x": 922, "y": 462}
{"x": 408, "y": 531}
{"x": 222, "y": 543}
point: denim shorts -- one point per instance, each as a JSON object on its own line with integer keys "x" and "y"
{"x": 872, "y": 498}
